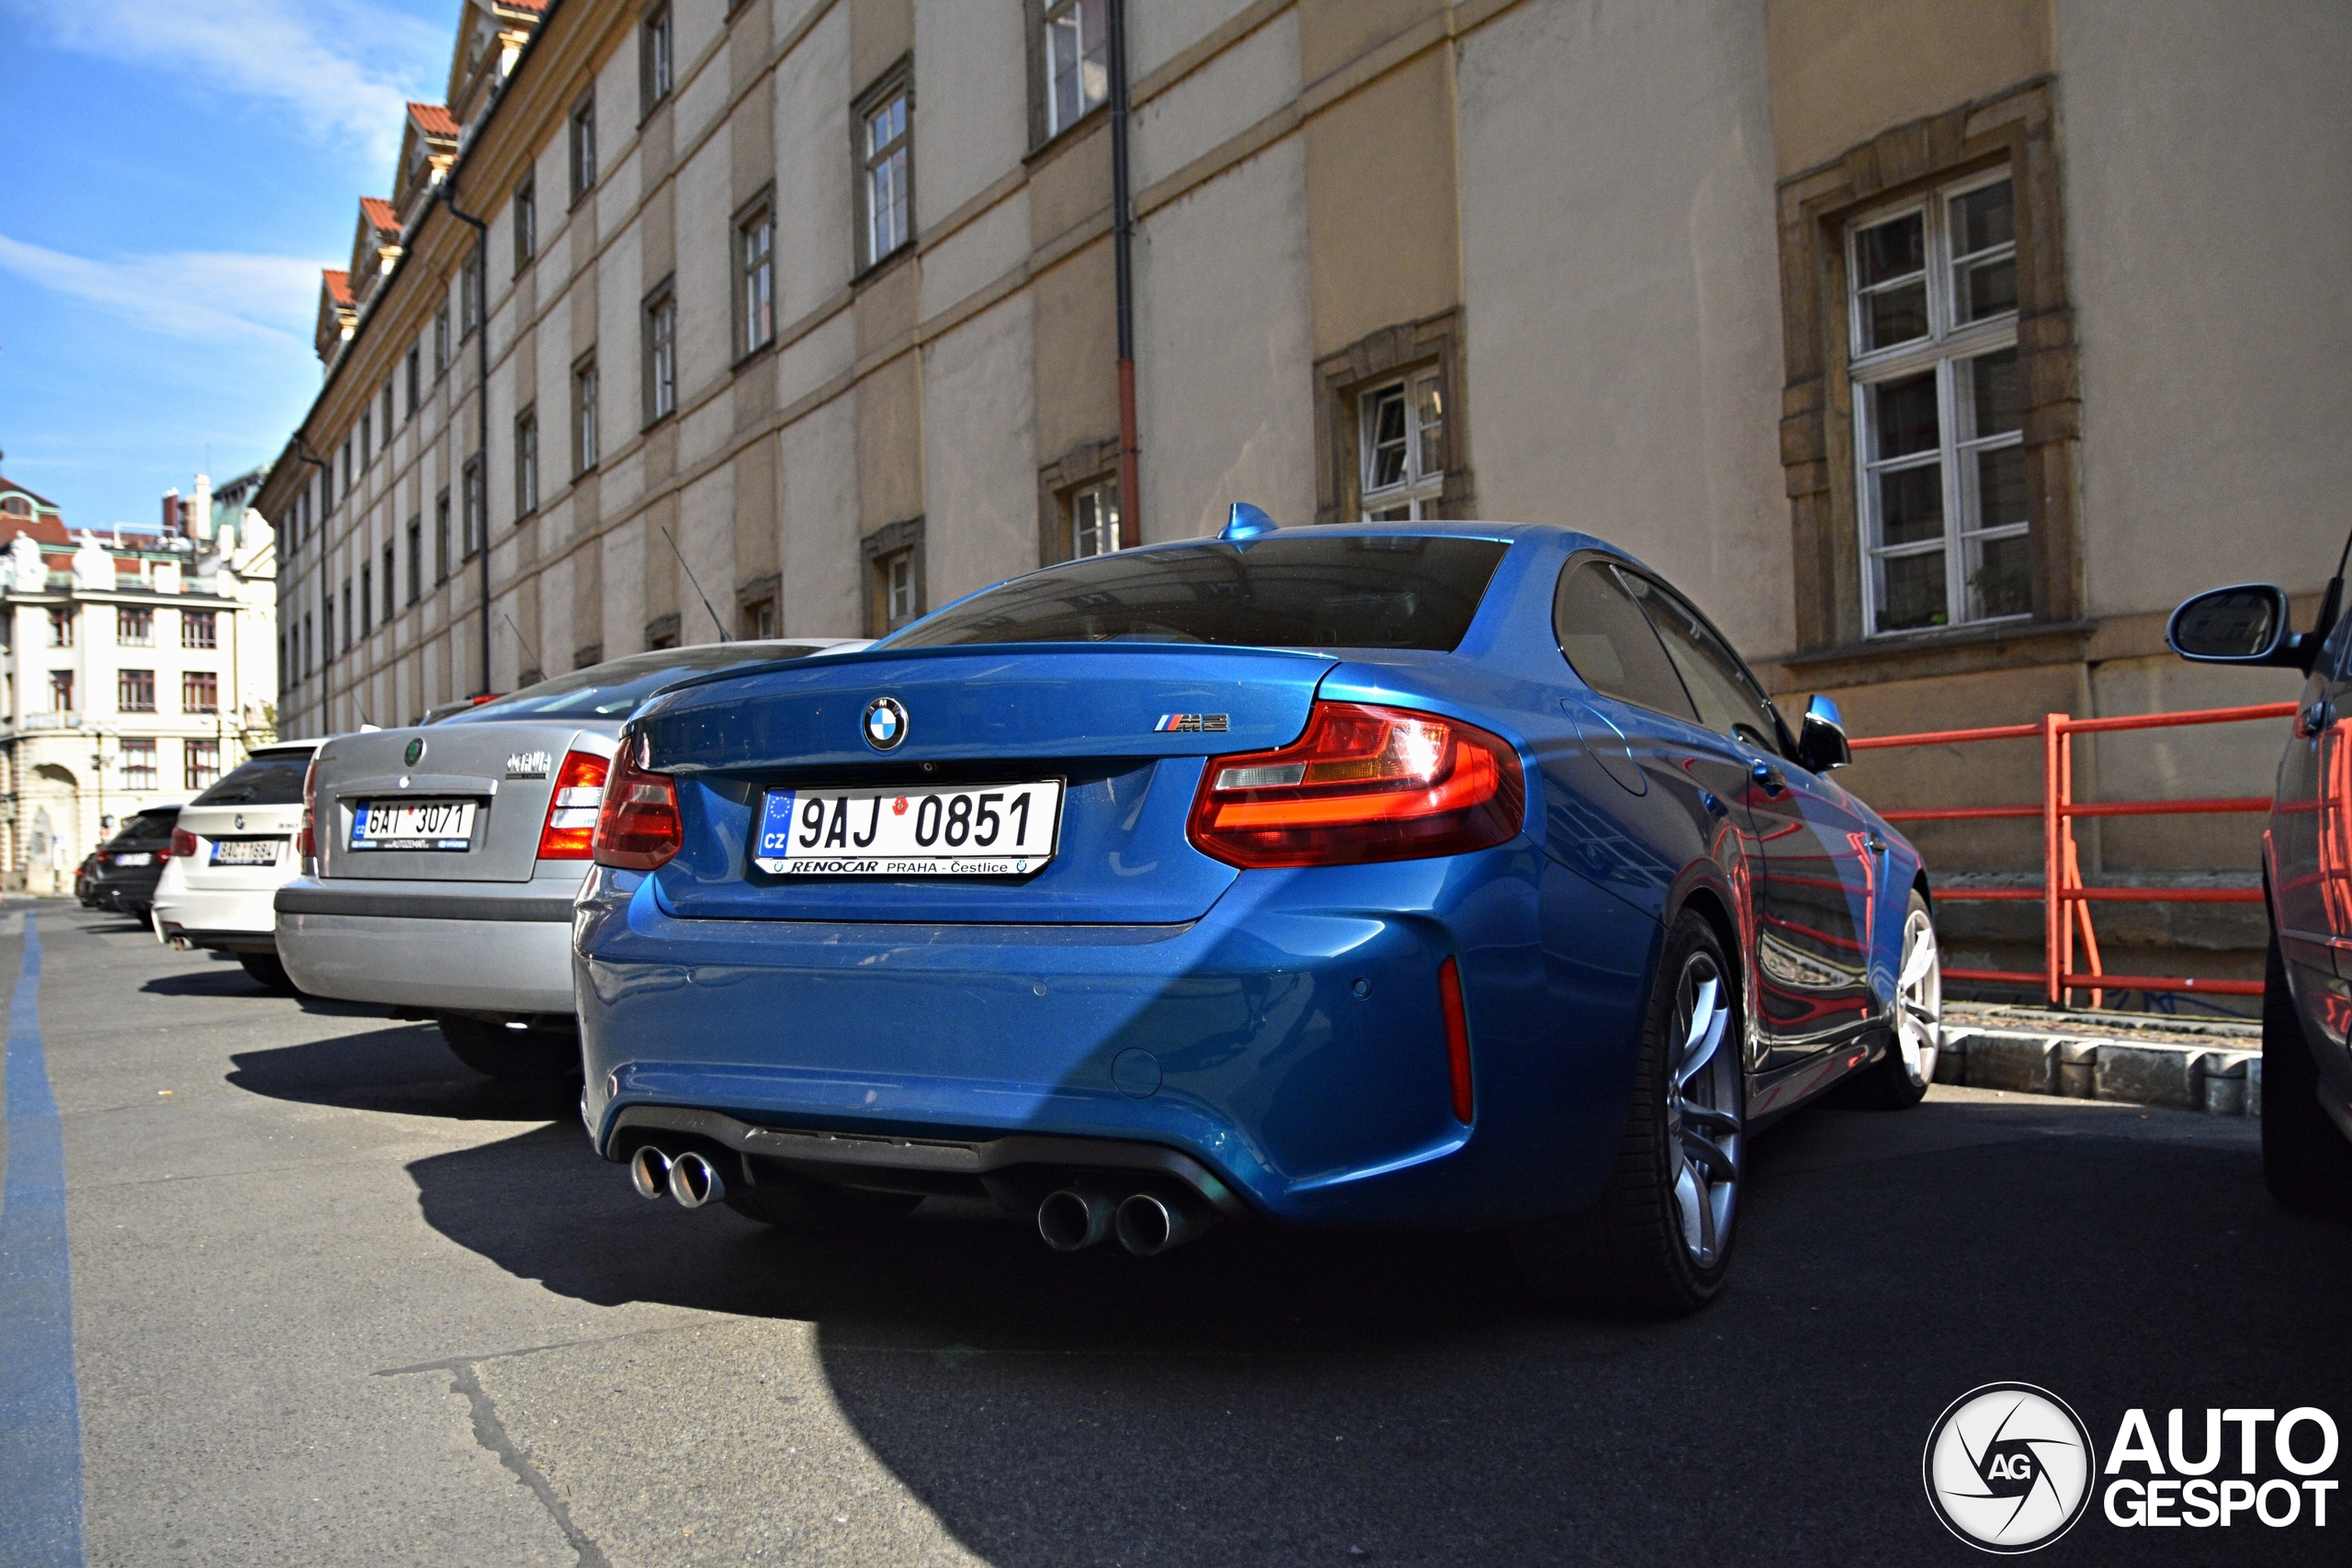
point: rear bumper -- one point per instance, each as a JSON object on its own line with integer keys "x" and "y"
{"x": 239, "y": 920}
{"x": 472, "y": 947}
{"x": 1291, "y": 1042}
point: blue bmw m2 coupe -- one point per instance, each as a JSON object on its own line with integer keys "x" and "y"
{"x": 1410, "y": 875}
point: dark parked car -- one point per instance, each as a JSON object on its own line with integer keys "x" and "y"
{"x": 133, "y": 862}
{"x": 2307, "y": 880}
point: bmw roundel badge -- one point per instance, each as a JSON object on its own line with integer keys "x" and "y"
{"x": 415, "y": 752}
{"x": 885, "y": 723}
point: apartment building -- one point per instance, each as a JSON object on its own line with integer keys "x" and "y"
{"x": 1937, "y": 348}
{"x": 135, "y": 668}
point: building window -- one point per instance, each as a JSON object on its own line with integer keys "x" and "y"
{"x": 526, "y": 225}
{"x": 661, "y": 352}
{"x": 1401, "y": 428}
{"x": 526, "y": 463}
{"x": 200, "y": 692}
{"x": 653, "y": 60}
{"x": 134, "y": 627}
{"x": 416, "y": 557}
{"x": 366, "y": 598}
{"x": 1077, "y": 59}
{"x": 1938, "y": 409}
{"x": 899, "y": 588}
{"x": 894, "y": 576}
{"x": 61, "y": 690}
{"x": 202, "y": 758}
{"x": 134, "y": 691}
{"x": 754, "y": 278}
{"x": 441, "y": 537}
{"x": 388, "y": 413}
{"x": 1094, "y": 520}
{"x": 583, "y": 413}
{"x": 476, "y": 494}
{"x": 367, "y": 439}
{"x": 138, "y": 759}
{"x": 415, "y": 377}
{"x": 310, "y": 645}
{"x": 470, "y": 293}
{"x": 760, "y": 621}
{"x": 391, "y": 584}
{"x": 346, "y": 615}
{"x": 583, "y": 144}
{"x": 883, "y": 146}
{"x": 441, "y": 338}
{"x": 199, "y": 628}
{"x": 61, "y": 626}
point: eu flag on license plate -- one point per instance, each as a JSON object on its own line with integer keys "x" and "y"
{"x": 775, "y": 823}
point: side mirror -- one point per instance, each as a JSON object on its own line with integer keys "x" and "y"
{"x": 1821, "y": 743}
{"x": 2245, "y": 625}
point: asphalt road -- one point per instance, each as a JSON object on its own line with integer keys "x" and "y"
{"x": 338, "y": 1300}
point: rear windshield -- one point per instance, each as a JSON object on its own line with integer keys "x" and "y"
{"x": 613, "y": 690}
{"x": 1384, "y": 591}
{"x": 149, "y": 826}
{"x": 264, "y": 781}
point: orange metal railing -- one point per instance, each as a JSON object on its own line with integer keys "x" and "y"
{"x": 2066, "y": 900}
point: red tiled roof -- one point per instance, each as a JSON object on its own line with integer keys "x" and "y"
{"x": 379, "y": 211}
{"x": 7, "y": 483}
{"x": 337, "y": 285}
{"x": 533, "y": 6}
{"x": 433, "y": 119}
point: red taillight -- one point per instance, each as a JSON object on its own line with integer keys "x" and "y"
{"x": 183, "y": 843}
{"x": 1362, "y": 784}
{"x": 306, "y": 843}
{"x": 637, "y": 827}
{"x": 571, "y": 829}
{"x": 1458, "y": 1037}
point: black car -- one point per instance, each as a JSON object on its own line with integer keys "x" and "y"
{"x": 132, "y": 861}
{"x": 2307, "y": 885}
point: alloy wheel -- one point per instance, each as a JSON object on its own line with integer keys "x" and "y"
{"x": 1919, "y": 999}
{"x": 1704, "y": 1105}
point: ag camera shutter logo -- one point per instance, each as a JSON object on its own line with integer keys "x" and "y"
{"x": 2009, "y": 1468}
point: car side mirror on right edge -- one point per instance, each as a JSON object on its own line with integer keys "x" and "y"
{"x": 1821, "y": 741}
{"x": 2245, "y": 625}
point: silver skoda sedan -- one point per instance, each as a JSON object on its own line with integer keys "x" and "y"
{"x": 439, "y": 863}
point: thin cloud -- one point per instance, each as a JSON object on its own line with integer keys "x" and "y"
{"x": 199, "y": 295}
{"x": 343, "y": 68}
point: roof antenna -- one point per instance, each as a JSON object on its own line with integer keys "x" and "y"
{"x": 526, "y": 642}
{"x": 697, "y": 587}
{"x": 1247, "y": 521}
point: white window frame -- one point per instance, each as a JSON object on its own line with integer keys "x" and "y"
{"x": 1087, "y": 55}
{"x": 1421, "y": 487}
{"x": 662, "y": 354}
{"x": 886, "y": 169}
{"x": 755, "y": 279}
{"x": 899, "y": 588}
{"x": 1094, "y": 528}
{"x": 1945, "y": 348}
{"x": 584, "y": 451}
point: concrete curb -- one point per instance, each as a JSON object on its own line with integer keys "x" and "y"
{"x": 2222, "y": 1081}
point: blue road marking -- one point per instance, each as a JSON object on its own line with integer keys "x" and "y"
{"x": 41, "y": 1407}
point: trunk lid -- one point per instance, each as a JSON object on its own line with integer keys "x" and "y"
{"x": 1127, "y": 727}
{"x": 508, "y": 770}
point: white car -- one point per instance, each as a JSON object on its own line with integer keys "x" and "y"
{"x": 231, "y": 851}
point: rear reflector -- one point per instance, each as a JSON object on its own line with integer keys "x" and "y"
{"x": 637, "y": 827}
{"x": 1458, "y": 1037}
{"x": 1364, "y": 784}
{"x": 572, "y": 809}
{"x": 183, "y": 843}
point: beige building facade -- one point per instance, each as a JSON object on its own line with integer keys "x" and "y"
{"x": 1936, "y": 348}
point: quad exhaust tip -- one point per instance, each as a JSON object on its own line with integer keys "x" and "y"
{"x": 1144, "y": 1224}
{"x": 649, "y": 1172}
{"x": 695, "y": 1181}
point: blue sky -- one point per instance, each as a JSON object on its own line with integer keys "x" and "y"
{"x": 175, "y": 171}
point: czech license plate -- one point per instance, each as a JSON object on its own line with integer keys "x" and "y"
{"x": 995, "y": 830}
{"x": 244, "y": 851}
{"x": 413, "y": 825}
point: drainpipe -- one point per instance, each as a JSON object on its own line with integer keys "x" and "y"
{"x": 326, "y": 697}
{"x": 481, "y": 264}
{"x": 1123, "y": 220}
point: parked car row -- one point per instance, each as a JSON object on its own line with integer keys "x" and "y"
{"x": 1435, "y": 874}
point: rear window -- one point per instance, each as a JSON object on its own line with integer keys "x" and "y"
{"x": 264, "y": 781}
{"x": 1383, "y": 591}
{"x": 613, "y": 690}
{"x": 151, "y": 826}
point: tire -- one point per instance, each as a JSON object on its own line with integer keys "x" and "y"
{"x": 796, "y": 1203}
{"x": 268, "y": 972}
{"x": 2306, "y": 1161}
{"x": 1899, "y": 1079}
{"x": 513, "y": 1055}
{"x": 1678, "y": 1168}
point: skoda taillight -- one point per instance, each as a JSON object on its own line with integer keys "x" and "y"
{"x": 1362, "y": 784}
{"x": 637, "y": 827}
{"x": 306, "y": 841}
{"x": 571, "y": 829}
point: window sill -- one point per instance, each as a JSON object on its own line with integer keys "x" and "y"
{"x": 1055, "y": 143}
{"x": 1959, "y": 650}
{"x": 874, "y": 272}
{"x": 751, "y": 356}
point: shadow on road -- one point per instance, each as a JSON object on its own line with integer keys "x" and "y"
{"x": 405, "y": 1070}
